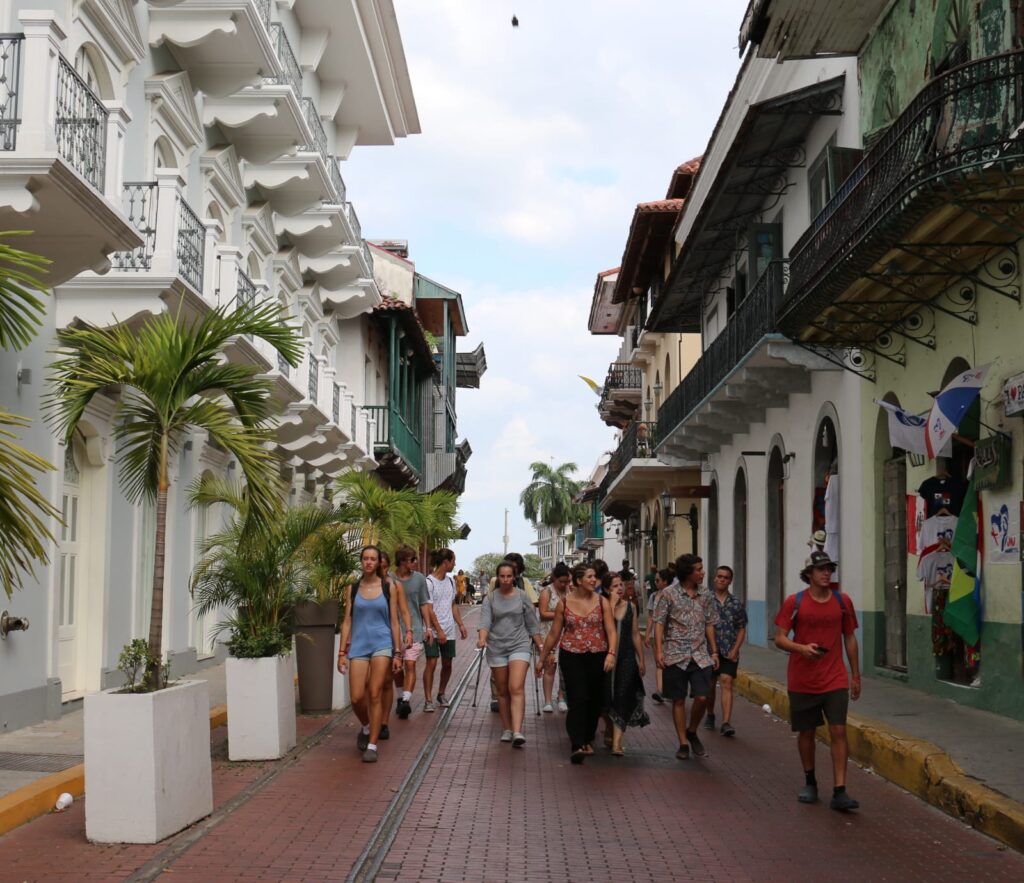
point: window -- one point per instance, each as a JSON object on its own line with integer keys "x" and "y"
{"x": 828, "y": 172}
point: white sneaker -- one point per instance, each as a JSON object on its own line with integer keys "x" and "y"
{"x": 548, "y": 708}
{"x": 506, "y": 736}
{"x": 518, "y": 740}
{"x": 562, "y": 707}
{"x": 428, "y": 706}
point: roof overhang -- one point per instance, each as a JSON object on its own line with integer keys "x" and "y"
{"x": 748, "y": 176}
{"x": 410, "y": 324}
{"x": 469, "y": 367}
{"x": 432, "y": 298}
{"x": 650, "y": 235}
{"x": 786, "y": 29}
{"x": 605, "y": 314}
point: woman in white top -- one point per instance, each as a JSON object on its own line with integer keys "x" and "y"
{"x": 549, "y": 600}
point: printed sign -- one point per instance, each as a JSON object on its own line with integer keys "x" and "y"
{"x": 992, "y": 463}
{"x": 1004, "y": 531}
{"x": 1013, "y": 395}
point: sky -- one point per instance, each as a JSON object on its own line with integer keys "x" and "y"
{"x": 537, "y": 143}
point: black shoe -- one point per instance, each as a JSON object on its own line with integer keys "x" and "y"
{"x": 404, "y": 709}
{"x": 494, "y": 705}
{"x": 683, "y": 753}
{"x": 843, "y": 802}
{"x": 727, "y": 729}
{"x": 362, "y": 740}
{"x": 657, "y": 697}
{"x": 577, "y": 756}
{"x": 696, "y": 746}
{"x": 384, "y": 734}
{"x": 709, "y": 722}
{"x": 808, "y": 794}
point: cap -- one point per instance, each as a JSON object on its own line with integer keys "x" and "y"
{"x": 816, "y": 559}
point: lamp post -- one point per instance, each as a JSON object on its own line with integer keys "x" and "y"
{"x": 667, "y": 506}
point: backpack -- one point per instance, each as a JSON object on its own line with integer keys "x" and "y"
{"x": 800, "y": 597}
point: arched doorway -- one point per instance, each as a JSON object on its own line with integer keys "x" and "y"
{"x": 825, "y": 474}
{"x": 713, "y": 558}
{"x": 739, "y": 535}
{"x": 775, "y": 538}
{"x": 891, "y": 496}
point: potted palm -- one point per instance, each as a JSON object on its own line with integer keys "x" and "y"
{"x": 147, "y": 753}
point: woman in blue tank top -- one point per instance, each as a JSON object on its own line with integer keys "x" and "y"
{"x": 370, "y": 642}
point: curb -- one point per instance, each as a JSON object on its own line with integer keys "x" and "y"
{"x": 38, "y": 798}
{"x": 918, "y": 766}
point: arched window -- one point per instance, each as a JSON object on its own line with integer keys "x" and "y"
{"x": 90, "y": 67}
{"x": 164, "y": 156}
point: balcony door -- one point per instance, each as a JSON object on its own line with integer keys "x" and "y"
{"x": 69, "y": 569}
{"x": 765, "y": 245}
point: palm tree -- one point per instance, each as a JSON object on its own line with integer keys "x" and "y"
{"x": 436, "y": 519}
{"x": 381, "y": 516}
{"x": 548, "y": 499}
{"x": 24, "y": 511}
{"x": 173, "y": 379}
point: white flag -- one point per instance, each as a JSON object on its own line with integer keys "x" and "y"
{"x": 907, "y": 431}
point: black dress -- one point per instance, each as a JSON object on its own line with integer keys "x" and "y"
{"x": 625, "y": 688}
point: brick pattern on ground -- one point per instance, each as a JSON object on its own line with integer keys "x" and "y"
{"x": 488, "y": 812}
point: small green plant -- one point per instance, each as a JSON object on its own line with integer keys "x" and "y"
{"x": 136, "y": 660}
{"x": 260, "y": 644}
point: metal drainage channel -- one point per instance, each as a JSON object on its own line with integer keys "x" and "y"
{"x": 370, "y": 860}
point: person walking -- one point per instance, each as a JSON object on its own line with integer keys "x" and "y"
{"x": 684, "y": 633}
{"x": 523, "y": 583}
{"x": 662, "y": 579}
{"x": 625, "y": 698}
{"x": 460, "y": 588}
{"x": 421, "y": 612}
{"x": 508, "y": 626}
{"x": 370, "y": 644}
{"x": 730, "y": 633}
{"x": 585, "y": 632}
{"x": 448, "y": 617}
{"x": 550, "y": 597}
{"x": 823, "y": 623}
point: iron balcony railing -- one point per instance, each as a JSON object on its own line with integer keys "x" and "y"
{"x": 263, "y": 8}
{"x": 637, "y": 442}
{"x": 334, "y": 167}
{"x": 245, "y": 294}
{"x": 316, "y": 126}
{"x": 283, "y": 368}
{"x": 139, "y": 201}
{"x": 10, "y": 77}
{"x": 963, "y": 123}
{"x": 395, "y": 434}
{"x": 80, "y": 125}
{"x": 367, "y": 256}
{"x": 313, "y": 384}
{"x": 336, "y": 404}
{"x": 291, "y": 73}
{"x": 622, "y": 375}
{"x": 353, "y": 219}
{"x": 754, "y": 318}
{"x": 191, "y": 245}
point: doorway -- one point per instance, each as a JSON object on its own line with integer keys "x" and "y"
{"x": 775, "y": 540}
{"x": 894, "y": 517}
{"x": 739, "y": 535}
{"x": 69, "y": 569}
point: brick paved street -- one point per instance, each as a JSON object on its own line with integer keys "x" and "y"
{"x": 486, "y": 812}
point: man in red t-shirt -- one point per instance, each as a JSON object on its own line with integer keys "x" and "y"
{"x": 822, "y": 623}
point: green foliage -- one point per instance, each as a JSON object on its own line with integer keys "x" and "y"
{"x": 488, "y": 563}
{"x": 548, "y": 499}
{"x": 138, "y": 666}
{"x": 534, "y": 566}
{"x": 260, "y": 643}
{"x": 24, "y": 510}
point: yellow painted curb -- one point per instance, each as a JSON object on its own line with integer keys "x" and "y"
{"x": 38, "y": 798}
{"x": 918, "y": 766}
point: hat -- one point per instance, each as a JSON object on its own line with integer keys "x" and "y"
{"x": 816, "y": 559}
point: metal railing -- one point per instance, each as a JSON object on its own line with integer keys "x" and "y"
{"x": 291, "y": 73}
{"x": 637, "y": 442}
{"x": 336, "y": 404}
{"x": 353, "y": 219}
{"x": 394, "y": 433}
{"x": 313, "y": 384}
{"x": 964, "y": 122}
{"x": 316, "y": 126}
{"x": 10, "y": 78}
{"x": 283, "y": 368}
{"x": 245, "y": 292}
{"x": 139, "y": 200}
{"x": 337, "y": 182}
{"x": 191, "y": 245}
{"x": 263, "y": 8}
{"x": 754, "y": 318}
{"x": 80, "y": 125}
{"x": 622, "y": 375}
{"x": 367, "y": 255}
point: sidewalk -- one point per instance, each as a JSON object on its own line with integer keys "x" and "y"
{"x": 34, "y": 752}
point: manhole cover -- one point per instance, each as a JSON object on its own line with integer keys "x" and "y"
{"x": 38, "y": 763}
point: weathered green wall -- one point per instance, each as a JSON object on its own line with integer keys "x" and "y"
{"x": 902, "y": 53}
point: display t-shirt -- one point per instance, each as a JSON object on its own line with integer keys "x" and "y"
{"x": 935, "y": 530}
{"x": 823, "y": 623}
{"x": 942, "y": 492}
{"x": 442, "y": 596}
{"x": 936, "y": 568}
{"x": 416, "y": 594}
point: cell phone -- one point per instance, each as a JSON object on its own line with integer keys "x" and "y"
{"x": 820, "y": 649}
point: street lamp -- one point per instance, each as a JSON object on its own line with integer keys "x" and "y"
{"x": 667, "y": 505}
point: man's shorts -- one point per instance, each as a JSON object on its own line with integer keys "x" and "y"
{"x": 808, "y": 711}
{"x": 412, "y": 653}
{"x": 728, "y": 667}
{"x": 446, "y": 650}
{"x": 675, "y": 679}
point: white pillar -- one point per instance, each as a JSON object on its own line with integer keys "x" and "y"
{"x": 44, "y": 36}
{"x": 170, "y": 187}
{"x": 118, "y": 118}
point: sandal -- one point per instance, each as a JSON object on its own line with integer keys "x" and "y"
{"x": 587, "y": 749}
{"x": 618, "y": 752}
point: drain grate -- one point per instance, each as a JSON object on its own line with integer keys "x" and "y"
{"x": 38, "y": 763}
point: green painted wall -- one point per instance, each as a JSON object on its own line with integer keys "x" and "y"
{"x": 901, "y": 56}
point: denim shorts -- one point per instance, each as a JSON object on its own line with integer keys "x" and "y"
{"x": 385, "y": 652}
{"x": 495, "y": 661}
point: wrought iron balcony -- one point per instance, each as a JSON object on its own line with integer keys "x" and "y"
{"x": 140, "y": 204}
{"x": 313, "y": 384}
{"x": 283, "y": 368}
{"x": 334, "y": 167}
{"x": 353, "y": 220}
{"x": 291, "y": 72}
{"x": 10, "y": 76}
{"x": 80, "y": 125}
{"x": 954, "y": 146}
{"x": 336, "y": 404}
{"x": 316, "y": 126}
{"x": 395, "y": 434}
{"x": 263, "y": 8}
{"x": 753, "y": 320}
{"x": 191, "y": 245}
{"x": 637, "y": 442}
{"x": 622, "y": 375}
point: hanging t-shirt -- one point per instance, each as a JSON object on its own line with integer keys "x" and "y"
{"x": 942, "y": 492}
{"x": 936, "y": 568}
{"x": 935, "y": 530}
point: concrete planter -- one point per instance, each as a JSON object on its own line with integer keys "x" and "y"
{"x": 339, "y": 695}
{"x": 261, "y": 707}
{"x": 147, "y": 763}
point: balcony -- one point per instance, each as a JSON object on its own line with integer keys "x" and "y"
{"x": 346, "y": 283}
{"x": 57, "y": 177}
{"x": 166, "y": 272}
{"x": 319, "y": 231}
{"x": 747, "y": 368}
{"x": 634, "y": 473}
{"x": 224, "y": 45}
{"x": 932, "y": 208}
{"x": 396, "y": 446}
{"x": 622, "y": 393}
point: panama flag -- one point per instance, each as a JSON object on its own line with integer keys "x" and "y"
{"x": 950, "y": 406}
{"x": 906, "y": 431}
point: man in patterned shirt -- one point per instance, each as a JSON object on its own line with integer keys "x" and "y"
{"x": 684, "y": 632}
{"x": 730, "y": 633}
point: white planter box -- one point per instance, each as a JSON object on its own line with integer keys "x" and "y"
{"x": 339, "y": 696}
{"x": 261, "y": 707}
{"x": 147, "y": 763}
